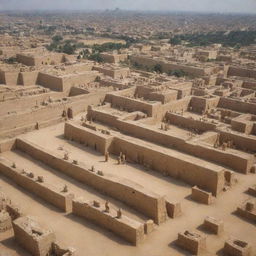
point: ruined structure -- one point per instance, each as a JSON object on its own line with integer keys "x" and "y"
{"x": 120, "y": 144}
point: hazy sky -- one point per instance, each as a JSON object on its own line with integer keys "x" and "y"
{"x": 172, "y": 5}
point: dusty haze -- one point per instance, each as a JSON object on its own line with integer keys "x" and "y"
{"x": 246, "y": 6}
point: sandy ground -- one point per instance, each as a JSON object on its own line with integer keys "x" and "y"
{"x": 89, "y": 239}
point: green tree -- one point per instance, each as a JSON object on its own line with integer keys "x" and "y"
{"x": 57, "y": 38}
{"x": 158, "y": 68}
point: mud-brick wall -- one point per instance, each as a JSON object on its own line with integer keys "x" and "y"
{"x": 26, "y": 102}
{"x": 237, "y": 105}
{"x": 241, "y": 163}
{"x": 127, "y": 228}
{"x": 96, "y": 140}
{"x": 78, "y": 79}
{"x": 102, "y": 116}
{"x": 11, "y": 78}
{"x": 7, "y": 145}
{"x": 243, "y": 72}
{"x": 29, "y": 78}
{"x": 49, "y": 81}
{"x": 177, "y": 105}
{"x": 144, "y": 201}
{"x": 26, "y": 60}
{"x": 238, "y": 162}
{"x": 37, "y": 246}
{"x": 133, "y": 104}
{"x": 45, "y": 191}
{"x": 200, "y": 104}
{"x": 2, "y": 77}
{"x": 178, "y": 165}
{"x": 189, "y": 123}
{"x": 242, "y": 125}
{"x": 241, "y": 142}
{"x": 52, "y": 111}
{"x": 249, "y": 85}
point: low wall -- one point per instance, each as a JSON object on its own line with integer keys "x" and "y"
{"x": 200, "y": 104}
{"x": 178, "y": 165}
{"x": 146, "y": 202}
{"x": 26, "y": 102}
{"x": 187, "y": 168}
{"x": 148, "y": 61}
{"x": 78, "y": 78}
{"x": 26, "y": 60}
{"x": 133, "y": 104}
{"x": 96, "y": 140}
{"x": 242, "y": 72}
{"x": 7, "y": 145}
{"x": 237, "y": 105}
{"x": 127, "y": 228}
{"x": 29, "y": 78}
{"x": 43, "y": 190}
{"x": 50, "y": 81}
{"x": 238, "y": 162}
{"x": 27, "y": 119}
{"x": 188, "y": 123}
{"x": 241, "y": 142}
{"x": 11, "y": 78}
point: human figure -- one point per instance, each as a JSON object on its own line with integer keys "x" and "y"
{"x": 66, "y": 156}
{"x": 64, "y": 113}
{"x": 107, "y": 206}
{"x": 70, "y": 113}
{"x": 119, "y": 214}
{"x": 224, "y": 146}
{"x": 119, "y": 160}
{"x": 123, "y": 158}
{"x": 106, "y": 156}
{"x": 65, "y": 189}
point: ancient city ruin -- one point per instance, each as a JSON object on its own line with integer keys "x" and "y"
{"x": 116, "y": 141}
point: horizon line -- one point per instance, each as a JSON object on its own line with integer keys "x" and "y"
{"x": 128, "y": 10}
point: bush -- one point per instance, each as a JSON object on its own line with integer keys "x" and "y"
{"x": 158, "y": 68}
{"x": 177, "y": 73}
{"x": 57, "y": 38}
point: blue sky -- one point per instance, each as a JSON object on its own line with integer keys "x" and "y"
{"x": 171, "y": 5}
